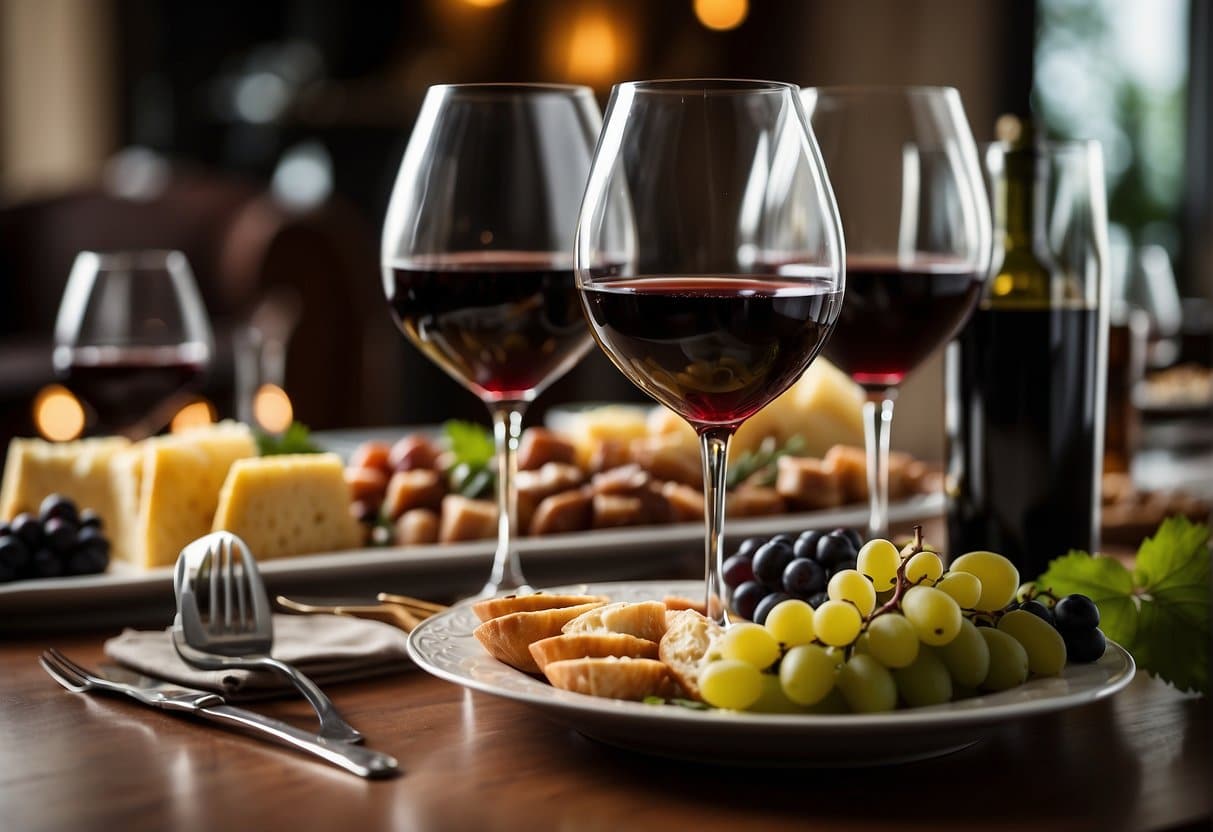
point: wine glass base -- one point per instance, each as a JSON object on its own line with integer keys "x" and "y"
{"x": 491, "y": 589}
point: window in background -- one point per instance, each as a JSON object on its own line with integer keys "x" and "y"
{"x": 1118, "y": 71}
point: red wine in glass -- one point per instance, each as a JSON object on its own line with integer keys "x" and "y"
{"x": 895, "y": 316}
{"x": 124, "y": 387}
{"x": 502, "y": 323}
{"x": 715, "y": 349}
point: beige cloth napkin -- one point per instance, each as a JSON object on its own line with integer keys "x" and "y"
{"x": 328, "y": 648}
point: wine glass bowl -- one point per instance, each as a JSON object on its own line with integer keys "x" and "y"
{"x": 131, "y": 338}
{"x": 912, "y": 202}
{"x": 476, "y": 254}
{"x": 709, "y": 257}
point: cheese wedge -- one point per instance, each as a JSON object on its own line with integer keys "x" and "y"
{"x": 288, "y": 505}
{"x": 177, "y": 480}
{"x": 79, "y": 470}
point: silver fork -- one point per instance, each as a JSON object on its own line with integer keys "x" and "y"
{"x": 210, "y": 707}
{"x": 239, "y": 630}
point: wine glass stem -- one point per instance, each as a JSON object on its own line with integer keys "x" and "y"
{"x": 877, "y": 427}
{"x": 715, "y": 444}
{"x": 507, "y": 428}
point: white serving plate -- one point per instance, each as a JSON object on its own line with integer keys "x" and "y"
{"x": 456, "y": 563}
{"x": 444, "y": 646}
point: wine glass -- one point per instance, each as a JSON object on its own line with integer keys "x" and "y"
{"x": 477, "y": 262}
{"x": 913, "y": 204}
{"x": 131, "y": 338}
{"x": 709, "y": 258}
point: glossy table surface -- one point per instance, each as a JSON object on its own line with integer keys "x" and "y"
{"x": 69, "y": 761}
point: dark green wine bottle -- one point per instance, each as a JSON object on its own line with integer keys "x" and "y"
{"x": 1023, "y": 467}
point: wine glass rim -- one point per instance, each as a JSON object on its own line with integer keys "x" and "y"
{"x": 507, "y": 88}
{"x": 707, "y": 86}
{"x": 926, "y": 90}
{"x": 139, "y": 259}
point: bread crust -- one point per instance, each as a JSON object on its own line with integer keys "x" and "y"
{"x": 613, "y": 677}
{"x": 508, "y": 638}
{"x": 591, "y": 645}
{"x": 491, "y": 608}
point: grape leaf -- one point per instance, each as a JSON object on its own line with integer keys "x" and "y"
{"x": 1160, "y": 611}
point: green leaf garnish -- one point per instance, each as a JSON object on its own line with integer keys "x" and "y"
{"x": 1159, "y": 612}
{"x": 472, "y": 444}
{"x": 761, "y": 461}
{"x": 297, "y": 439}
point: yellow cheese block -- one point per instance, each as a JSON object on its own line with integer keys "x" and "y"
{"x": 586, "y": 429}
{"x": 177, "y": 480}
{"x": 288, "y": 505}
{"x": 824, "y": 407}
{"x": 79, "y": 470}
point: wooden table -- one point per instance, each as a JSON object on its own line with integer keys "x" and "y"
{"x": 1140, "y": 761}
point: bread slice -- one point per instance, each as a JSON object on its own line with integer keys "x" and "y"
{"x": 677, "y": 603}
{"x": 613, "y": 677}
{"x": 685, "y": 645}
{"x": 591, "y": 645}
{"x": 491, "y": 608}
{"x": 645, "y": 619}
{"x": 508, "y": 638}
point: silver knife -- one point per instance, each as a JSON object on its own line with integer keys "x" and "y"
{"x": 169, "y": 696}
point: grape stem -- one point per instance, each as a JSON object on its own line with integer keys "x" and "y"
{"x": 902, "y": 584}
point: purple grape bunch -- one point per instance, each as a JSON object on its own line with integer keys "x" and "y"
{"x": 764, "y": 571}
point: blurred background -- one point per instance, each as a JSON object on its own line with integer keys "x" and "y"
{"x": 262, "y": 140}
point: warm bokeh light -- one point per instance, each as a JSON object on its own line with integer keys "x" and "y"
{"x": 484, "y": 4}
{"x": 272, "y": 408}
{"x": 194, "y": 415}
{"x": 722, "y": 15}
{"x": 58, "y": 415}
{"x": 593, "y": 49}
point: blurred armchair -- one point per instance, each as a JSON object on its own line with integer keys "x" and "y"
{"x": 249, "y": 248}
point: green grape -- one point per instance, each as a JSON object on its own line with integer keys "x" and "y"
{"x": 838, "y": 655}
{"x": 867, "y": 686}
{"x": 1025, "y": 591}
{"x": 861, "y": 645}
{"x": 935, "y": 616}
{"x": 807, "y": 674}
{"x": 1044, "y": 645}
{"x": 924, "y": 568}
{"x": 851, "y": 585}
{"x": 791, "y": 622}
{"x": 772, "y": 699}
{"x": 837, "y": 623}
{"x": 749, "y": 643}
{"x": 925, "y": 681}
{"x": 834, "y": 703}
{"x": 892, "y": 640}
{"x": 999, "y": 577}
{"x": 1008, "y": 660}
{"x": 732, "y": 684}
{"x": 967, "y": 657}
{"x": 879, "y": 559}
{"x": 965, "y": 588}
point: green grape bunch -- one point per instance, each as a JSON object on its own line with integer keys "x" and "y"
{"x": 899, "y": 630}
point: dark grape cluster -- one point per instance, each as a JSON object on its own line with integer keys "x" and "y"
{"x": 763, "y": 572}
{"x": 61, "y": 540}
{"x": 1076, "y": 618}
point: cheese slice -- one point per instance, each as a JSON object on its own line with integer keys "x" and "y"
{"x": 286, "y": 505}
{"x": 824, "y": 407}
{"x": 79, "y": 470}
{"x": 177, "y": 480}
